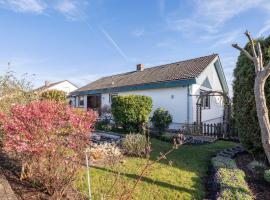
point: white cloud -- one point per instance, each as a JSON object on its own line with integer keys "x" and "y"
{"x": 24, "y": 6}
{"x": 71, "y": 9}
{"x": 187, "y": 26}
{"x": 138, "y": 32}
{"x": 221, "y": 39}
{"x": 210, "y": 15}
{"x": 265, "y": 29}
{"x": 220, "y": 11}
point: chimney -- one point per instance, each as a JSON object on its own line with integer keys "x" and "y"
{"x": 47, "y": 83}
{"x": 140, "y": 67}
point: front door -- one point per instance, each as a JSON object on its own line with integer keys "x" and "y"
{"x": 94, "y": 102}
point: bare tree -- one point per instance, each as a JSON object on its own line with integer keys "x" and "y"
{"x": 262, "y": 73}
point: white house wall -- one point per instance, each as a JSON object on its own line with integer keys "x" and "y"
{"x": 172, "y": 99}
{"x": 64, "y": 86}
{"x": 215, "y": 113}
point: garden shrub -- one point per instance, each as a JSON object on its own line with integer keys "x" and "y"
{"x": 103, "y": 125}
{"x": 257, "y": 167}
{"x": 14, "y": 90}
{"x": 167, "y": 137}
{"x": 233, "y": 185}
{"x": 244, "y": 108}
{"x": 106, "y": 114}
{"x": 267, "y": 175}
{"x": 135, "y": 145}
{"x": 53, "y": 95}
{"x": 161, "y": 119}
{"x": 231, "y": 180}
{"x": 223, "y": 162}
{"x": 105, "y": 118}
{"x": 131, "y": 111}
{"x": 49, "y": 139}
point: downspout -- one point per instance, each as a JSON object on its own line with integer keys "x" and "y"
{"x": 188, "y": 92}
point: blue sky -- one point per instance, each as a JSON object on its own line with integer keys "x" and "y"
{"x": 82, "y": 40}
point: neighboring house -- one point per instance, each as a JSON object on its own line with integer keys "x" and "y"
{"x": 65, "y": 86}
{"x": 174, "y": 86}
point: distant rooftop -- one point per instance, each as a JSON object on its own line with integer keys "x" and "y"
{"x": 47, "y": 85}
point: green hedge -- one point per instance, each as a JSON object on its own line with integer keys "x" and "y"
{"x": 231, "y": 180}
{"x": 222, "y": 162}
{"x": 53, "y": 95}
{"x": 267, "y": 175}
{"x": 233, "y": 185}
{"x": 131, "y": 111}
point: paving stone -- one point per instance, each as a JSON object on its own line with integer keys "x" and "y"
{"x": 224, "y": 155}
{"x": 229, "y": 152}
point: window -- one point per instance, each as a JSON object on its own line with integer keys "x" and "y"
{"x": 81, "y": 101}
{"x": 111, "y": 97}
{"x": 205, "y": 100}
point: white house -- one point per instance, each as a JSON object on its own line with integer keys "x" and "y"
{"x": 174, "y": 86}
{"x": 64, "y": 85}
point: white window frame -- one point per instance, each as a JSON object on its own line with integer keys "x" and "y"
{"x": 111, "y": 95}
{"x": 81, "y": 100}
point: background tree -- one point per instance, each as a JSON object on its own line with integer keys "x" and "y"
{"x": 261, "y": 74}
{"x": 54, "y": 95}
{"x": 14, "y": 90}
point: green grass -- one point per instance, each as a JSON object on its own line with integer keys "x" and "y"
{"x": 184, "y": 179}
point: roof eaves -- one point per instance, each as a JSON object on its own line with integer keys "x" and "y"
{"x": 147, "y": 86}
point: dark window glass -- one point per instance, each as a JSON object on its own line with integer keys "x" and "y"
{"x": 205, "y": 100}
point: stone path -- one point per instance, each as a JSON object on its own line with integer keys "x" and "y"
{"x": 6, "y": 193}
{"x": 231, "y": 152}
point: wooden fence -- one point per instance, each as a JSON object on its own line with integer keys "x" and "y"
{"x": 212, "y": 130}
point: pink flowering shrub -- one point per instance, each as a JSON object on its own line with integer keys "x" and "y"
{"x": 49, "y": 138}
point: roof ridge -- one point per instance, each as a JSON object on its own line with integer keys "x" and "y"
{"x": 214, "y": 54}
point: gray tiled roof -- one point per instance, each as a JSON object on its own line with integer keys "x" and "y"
{"x": 182, "y": 70}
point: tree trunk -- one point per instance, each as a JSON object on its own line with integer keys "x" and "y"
{"x": 262, "y": 110}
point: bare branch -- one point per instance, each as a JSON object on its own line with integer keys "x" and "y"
{"x": 247, "y": 33}
{"x": 260, "y": 56}
{"x": 243, "y": 50}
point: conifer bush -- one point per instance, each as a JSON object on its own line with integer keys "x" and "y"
{"x": 161, "y": 119}
{"x": 244, "y": 108}
{"x": 267, "y": 175}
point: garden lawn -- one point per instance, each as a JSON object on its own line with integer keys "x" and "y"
{"x": 184, "y": 179}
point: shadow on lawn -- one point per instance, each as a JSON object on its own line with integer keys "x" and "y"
{"x": 149, "y": 180}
